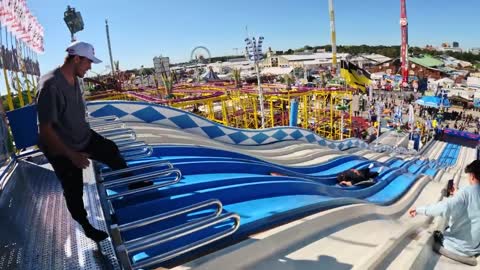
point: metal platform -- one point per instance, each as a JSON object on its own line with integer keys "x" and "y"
{"x": 36, "y": 229}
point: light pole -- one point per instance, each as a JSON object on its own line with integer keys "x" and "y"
{"x": 109, "y": 47}
{"x": 255, "y": 55}
{"x": 379, "y": 107}
{"x": 333, "y": 37}
{"x": 74, "y": 21}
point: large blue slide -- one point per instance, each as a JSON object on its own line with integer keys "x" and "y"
{"x": 244, "y": 185}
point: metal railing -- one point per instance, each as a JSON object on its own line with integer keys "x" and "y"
{"x": 136, "y": 168}
{"x": 94, "y": 122}
{"x": 132, "y": 146}
{"x": 136, "y": 178}
{"x": 145, "y": 177}
{"x": 164, "y": 236}
{"x": 102, "y": 118}
{"x": 125, "y": 139}
{"x": 137, "y": 153}
{"x": 124, "y": 143}
{"x": 185, "y": 210}
{"x": 114, "y": 129}
{"x": 118, "y": 141}
{"x": 192, "y": 246}
{"x": 117, "y": 132}
{"x": 107, "y": 126}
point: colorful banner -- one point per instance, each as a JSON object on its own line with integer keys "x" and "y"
{"x": 15, "y": 15}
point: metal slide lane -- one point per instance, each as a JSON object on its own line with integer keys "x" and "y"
{"x": 381, "y": 197}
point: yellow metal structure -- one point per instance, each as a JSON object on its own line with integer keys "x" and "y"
{"x": 9, "y": 91}
{"x": 29, "y": 93}
{"x": 19, "y": 90}
{"x": 318, "y": 108}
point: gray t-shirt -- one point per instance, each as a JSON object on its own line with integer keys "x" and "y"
{"x": 62, "y": 104}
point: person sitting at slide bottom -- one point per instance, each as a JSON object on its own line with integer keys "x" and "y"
{"x": 462, "y": 236}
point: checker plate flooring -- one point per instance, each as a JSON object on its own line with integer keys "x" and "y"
{"x": 36, "y": 230}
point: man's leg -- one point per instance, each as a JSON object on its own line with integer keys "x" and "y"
{"x": 71, "y": 179}
{"x": 106, "y": 151}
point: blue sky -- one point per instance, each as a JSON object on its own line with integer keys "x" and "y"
{"x": 142, "y": 29}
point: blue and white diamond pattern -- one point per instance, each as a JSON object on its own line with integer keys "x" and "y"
{"x": 213, "y": 131}
{"x": 238, "y": 137}
{"x": 260, "y": 137}
{"x": 183, "y": 121}
{"x": 175, "y": 118}
{"x": 148, "y": 115}
{"x": 108, "y": 110}
{"x": 310, "y": 138}
{"x": 296, "y": 135}
{"x": 280, "y": 135}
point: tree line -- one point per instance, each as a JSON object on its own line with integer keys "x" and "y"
{"x": 389, "y": 51}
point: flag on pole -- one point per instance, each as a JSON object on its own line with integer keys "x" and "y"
{"x": 354, "y": 76}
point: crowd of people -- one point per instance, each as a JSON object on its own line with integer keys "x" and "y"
{"x": 428, "y": 122}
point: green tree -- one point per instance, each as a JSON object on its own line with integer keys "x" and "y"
{"x": 288, "y": 80}
{"x": 236, "y": 77}
{"x": 307, "y": 47}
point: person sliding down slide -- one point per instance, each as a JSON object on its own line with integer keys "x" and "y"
{"x": 354, "y": 177}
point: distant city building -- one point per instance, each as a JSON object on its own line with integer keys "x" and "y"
{"x": 303, "y": 60}
{"x": 475, "y": 51}
{"x": 445, "y": 47}
{"x": 430, "y": 48}
{"x": 368, "y": 60}
{"x": 450, "y": 49}
{"x": 424, "y": 66}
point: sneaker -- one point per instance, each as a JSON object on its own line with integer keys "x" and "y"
{"x": 371, "y": 165}
{"x": 94, "y": 234}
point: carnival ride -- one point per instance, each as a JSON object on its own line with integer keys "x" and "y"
{"x": 200, "y": 54}
{"x": 238, "y": 107}
{"x": 238, "y": 172}
{"x": 216, "y": 186}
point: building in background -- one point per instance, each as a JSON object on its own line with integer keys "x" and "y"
{"x": 425, "y": 67}
{"x": 475, "y": 51}
{"x": 446, "y": 47}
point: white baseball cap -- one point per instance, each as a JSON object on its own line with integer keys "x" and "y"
{"x": 83, "y": 49}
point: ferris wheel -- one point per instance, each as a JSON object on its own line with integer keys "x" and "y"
{"x": 200, "y": 54}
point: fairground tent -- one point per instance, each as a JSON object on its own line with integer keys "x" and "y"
{"x": 434, "y": 102}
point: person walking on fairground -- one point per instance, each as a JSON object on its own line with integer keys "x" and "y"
{"x": 65, "y": 136}
{"x": 462, "y": 237}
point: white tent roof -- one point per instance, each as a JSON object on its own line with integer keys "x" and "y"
{"x": 276, "y": 70}
{"x": 473, "y": 82}
{"x": 317, "y": 62}
{"x": 445, "y": 80}
{"x": 377, "y": 75}
{"x": 313, "y": 56}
